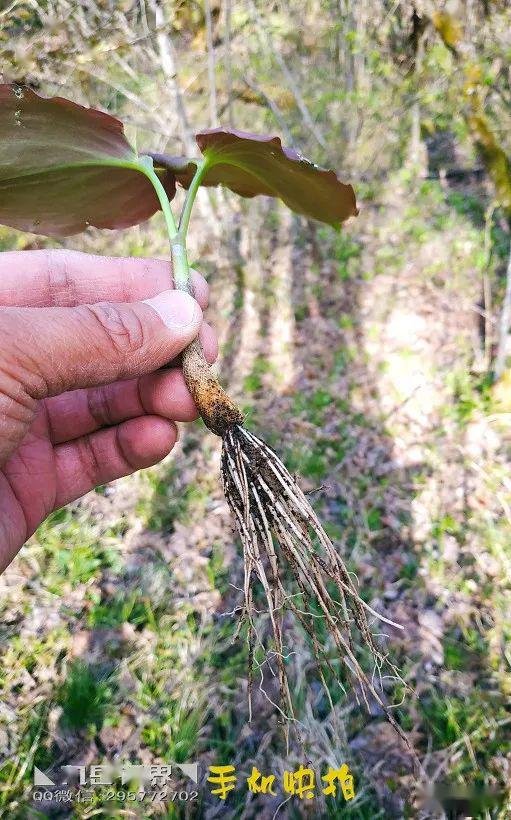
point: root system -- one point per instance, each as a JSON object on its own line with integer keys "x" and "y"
{"x": 287, "y": 551}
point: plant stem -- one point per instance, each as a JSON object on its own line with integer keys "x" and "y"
{"x": 163, "y": 198}
{"x": 218, "y": 411}
{"x": 177, "y": 240}
{"x": 202, "y": 167}
{"x": 177, "y": 237}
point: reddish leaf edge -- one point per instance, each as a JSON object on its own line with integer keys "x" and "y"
{"x": 105, "y": 121}
{"x": 184, "y": 168}
{"x": 113, "y": 123}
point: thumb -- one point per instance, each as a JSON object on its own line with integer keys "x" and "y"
{"x": 50, "y": 350}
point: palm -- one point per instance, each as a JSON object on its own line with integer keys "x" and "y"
{"x": 29, "y": 483}
{"x": 55, "y": 450}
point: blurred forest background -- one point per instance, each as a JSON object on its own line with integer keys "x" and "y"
{"x": 367, "y": 358}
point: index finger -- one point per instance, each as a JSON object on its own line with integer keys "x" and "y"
{"x": 58, "y": 277}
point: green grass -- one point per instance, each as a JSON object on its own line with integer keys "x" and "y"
{"x": 170, "y": 503}
{"x": 346, "y": 250}
{"x": 119, "y": 610}
{"x": 254, "y": 381}
{"x": 73, "y": 550}
{"x": 33, "y": 750}
{"x": 477, "y": 725}
{"x": 173, "y": 735}
{"x": 86, "y": 696}
{"x": 471, "y": 395}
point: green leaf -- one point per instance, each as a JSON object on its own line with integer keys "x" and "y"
{"x": 64, "y": 167}
{"x": 249, "y": 165}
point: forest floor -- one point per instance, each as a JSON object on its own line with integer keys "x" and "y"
{"x": 359, "y": 358}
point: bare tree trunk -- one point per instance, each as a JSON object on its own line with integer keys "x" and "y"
{"x": 416, "y": 153}
{"x": 504, "y": 323}
{"x": 334, "y": 7}
{"x": 359, "y": 55}
{"x": 348, "y": 59}
{"x": 213, "y": 110}
{"x": 352, "y": 69}
{"x": 168, "y": 62}
{"x": 168, "y": 65}
{"x": 487, "y": 294}
{"x": 227, "y": 59}
{"x": 290, "y": 80}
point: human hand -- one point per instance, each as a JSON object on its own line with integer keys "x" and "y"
{"x": 80, "y": 403}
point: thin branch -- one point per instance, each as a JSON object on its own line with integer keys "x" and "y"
{"x": 505, "y": 323}
{"x": 213, "y": 110}
{"x": 227, "y": 59}
{"x": 168, "y": 65}
{"x": 487, "y": 295}
{"x": 275, "y": 110}
{"x": 290, "y": 80}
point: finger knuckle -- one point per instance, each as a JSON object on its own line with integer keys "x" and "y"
{"x": 90, "y": 463}
{"x": 60, "y": 287}
{"x": 123, "y": 329}
{"x": 99, "y": 406}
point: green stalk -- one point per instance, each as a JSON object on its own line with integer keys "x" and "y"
{"x": 218, "y": 411}
{"x": 177, "y": 237}
{"x": 177, "y": 247}
{"x": 202, "y": 167}
{"x": 161, "y": 193}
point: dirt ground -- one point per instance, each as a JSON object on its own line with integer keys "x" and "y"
{"x": 358, "y": 358}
